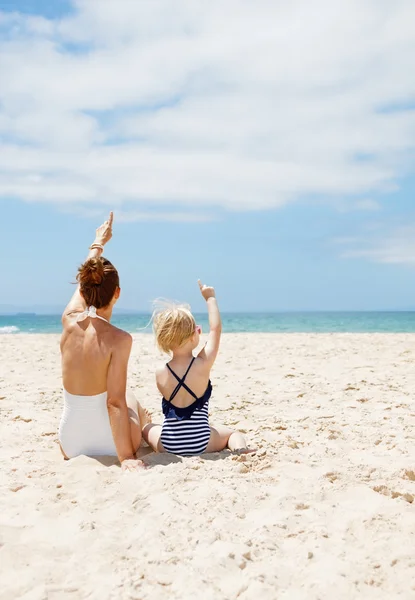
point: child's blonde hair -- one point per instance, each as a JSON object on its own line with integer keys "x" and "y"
{"x": 173, "y": 325}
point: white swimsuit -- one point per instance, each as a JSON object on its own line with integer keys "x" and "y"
{"x": 85, "y": 426}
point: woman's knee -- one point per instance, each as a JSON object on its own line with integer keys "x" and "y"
{"x": 136, "y": 435}
{"x": 131, "y": 400}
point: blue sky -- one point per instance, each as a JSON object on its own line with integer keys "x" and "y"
{"x": 278, "y": 167}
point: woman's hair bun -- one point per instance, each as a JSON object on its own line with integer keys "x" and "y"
{"x": 98, "y": 281}
{"x": 91, "y": 273}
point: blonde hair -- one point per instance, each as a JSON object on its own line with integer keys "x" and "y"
{"x": 173, "y": 325}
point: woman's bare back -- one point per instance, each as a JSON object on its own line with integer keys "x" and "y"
{"x": 86, "y": 348}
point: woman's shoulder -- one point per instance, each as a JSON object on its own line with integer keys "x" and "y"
{"x": 121, "y": 337}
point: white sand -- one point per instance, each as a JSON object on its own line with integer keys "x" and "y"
{"x": 323, "y": 511}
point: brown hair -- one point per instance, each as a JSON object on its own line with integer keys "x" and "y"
{"x": 173, "y": 325}
{"x": 98, "y": 280}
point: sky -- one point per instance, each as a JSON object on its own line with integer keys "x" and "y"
{"x": 265, "y": 147}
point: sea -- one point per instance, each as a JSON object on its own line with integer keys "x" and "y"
{"x": 278, "y": 322}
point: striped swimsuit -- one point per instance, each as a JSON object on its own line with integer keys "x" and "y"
{"x": 185, "y": 431}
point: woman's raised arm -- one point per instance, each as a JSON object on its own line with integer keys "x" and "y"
{"x": 102, "y": 236}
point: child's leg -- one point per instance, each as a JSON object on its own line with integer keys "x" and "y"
{"x": 151, "y": 434}
{"x": 222, "y": 437}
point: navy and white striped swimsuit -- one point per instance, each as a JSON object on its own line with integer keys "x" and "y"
{"x": 185, "y": 431}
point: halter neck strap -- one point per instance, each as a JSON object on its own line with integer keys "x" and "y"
{"x": 90, "y": 312}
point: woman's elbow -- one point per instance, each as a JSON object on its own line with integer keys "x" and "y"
{"x": 115, "y": 401}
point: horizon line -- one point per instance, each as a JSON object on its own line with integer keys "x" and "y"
{"x": 131, "y": 312}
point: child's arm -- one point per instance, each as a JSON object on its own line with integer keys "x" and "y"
{"x": 211, "y": 349}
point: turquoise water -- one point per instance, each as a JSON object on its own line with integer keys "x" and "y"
{"x": 288, "y": 322}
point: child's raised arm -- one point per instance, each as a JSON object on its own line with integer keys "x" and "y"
{"x": 215, "y": 324}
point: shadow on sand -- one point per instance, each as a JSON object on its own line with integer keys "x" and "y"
{"x": 152, "y": 459}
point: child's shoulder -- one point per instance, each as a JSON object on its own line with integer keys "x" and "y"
{"x": 201, "y": 363}
{"x": 161, "y": 371}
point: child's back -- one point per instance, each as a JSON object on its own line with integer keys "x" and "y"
{"x": 197, "y": 380}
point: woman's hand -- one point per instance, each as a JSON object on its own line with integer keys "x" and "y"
{"x": 132, "y": 464}
{"x": 104, "y": 231}
{"x": 206, "y": 291}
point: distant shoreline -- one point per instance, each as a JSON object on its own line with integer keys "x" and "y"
{"x": 276, "y": 322}
{"x": 139, "y": 313}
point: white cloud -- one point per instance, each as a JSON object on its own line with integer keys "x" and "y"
{"x": 237, "y": 105}
{"x": 362, "y": 204}
{"x": 395, "y": 245}
{"x": 132, "y": 216}
{"x": 367, "y": 204}
{"x": 184, "y": 217}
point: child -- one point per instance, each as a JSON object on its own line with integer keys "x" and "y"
{"x": 185, "y": 385}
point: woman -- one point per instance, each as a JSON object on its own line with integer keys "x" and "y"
{"x": 98, "y": 418}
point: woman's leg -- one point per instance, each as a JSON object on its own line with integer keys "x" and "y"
{"x": 64, "y": 455}
{"x": 139, "y": 417}
{"x": 222, "y": 437}
{"x": 151, "y": 434}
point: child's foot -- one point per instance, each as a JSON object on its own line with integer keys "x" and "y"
{"x": 145, "y": 419}
{"x": 237, "y": 443}
{"x": 144, "y": 415}
{"x": 148, "y": 417}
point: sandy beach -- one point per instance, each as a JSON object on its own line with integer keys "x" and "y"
{"x": 325, "y": 508}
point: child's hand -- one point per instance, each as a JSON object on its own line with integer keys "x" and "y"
{"x": 206, "y": 291}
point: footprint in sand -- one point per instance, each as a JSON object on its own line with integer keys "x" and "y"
{"x": 332, "y": 477}
{"x": 16, "y": 488}
{"x": 385, "y": 491}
